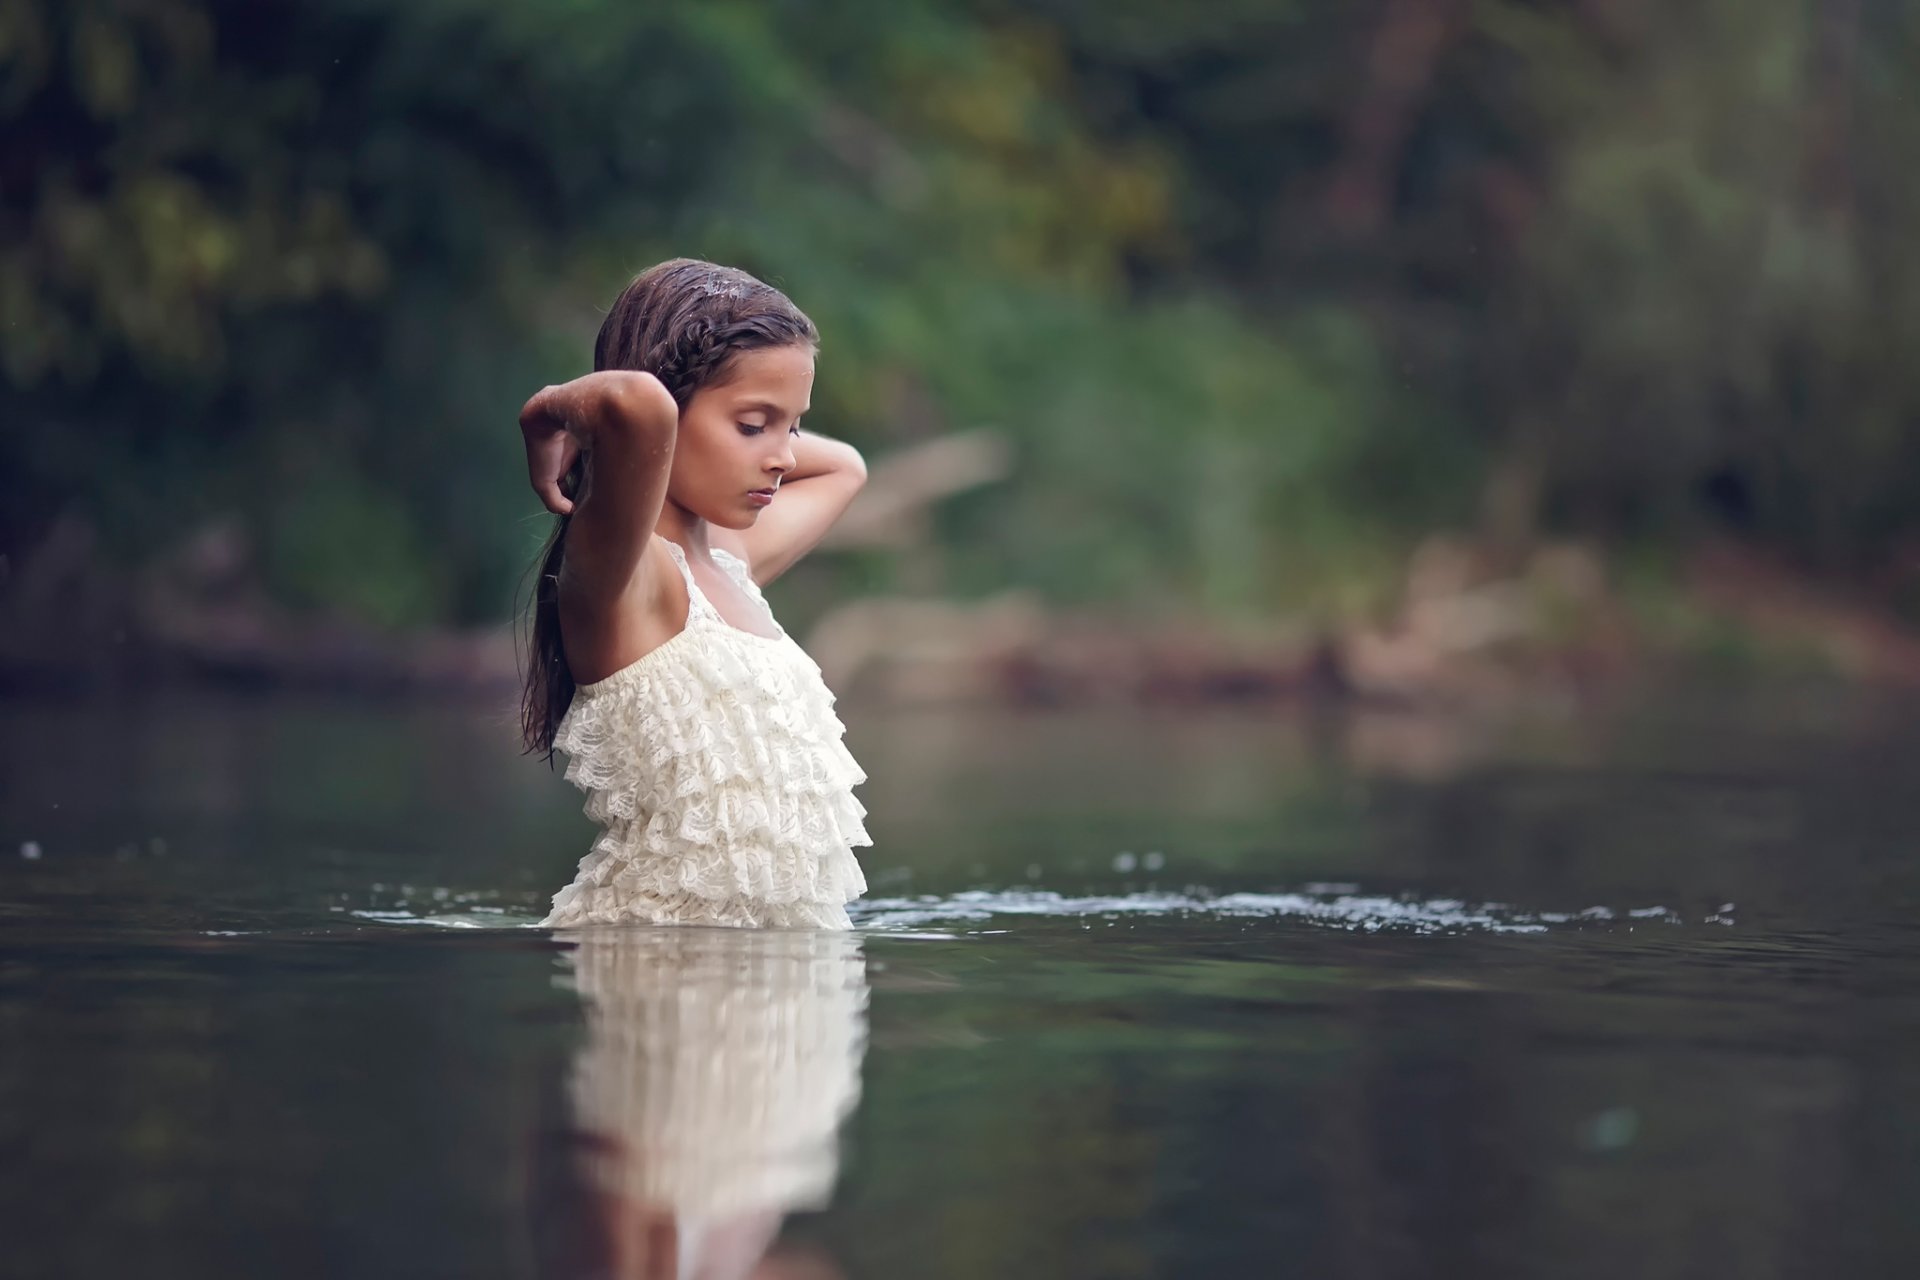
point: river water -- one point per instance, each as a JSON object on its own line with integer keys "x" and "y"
{"x": 1132, "y": 995}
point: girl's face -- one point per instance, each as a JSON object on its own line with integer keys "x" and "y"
{"x": 736, "y": 437}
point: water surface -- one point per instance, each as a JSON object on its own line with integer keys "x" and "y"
{"x": 1133, "y": 995}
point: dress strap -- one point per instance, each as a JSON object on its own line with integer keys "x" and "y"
{"x": 739, "y": 571}
{"x": 742, "y": 574}
{"x": 698, "y": 606}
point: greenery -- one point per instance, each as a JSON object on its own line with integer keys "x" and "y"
{"x": 1262, "y": 292}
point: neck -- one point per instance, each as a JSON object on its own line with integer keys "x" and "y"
{"x": 677, "y": 524}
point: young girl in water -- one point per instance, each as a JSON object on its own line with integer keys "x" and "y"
{"x": 703, "y": 735}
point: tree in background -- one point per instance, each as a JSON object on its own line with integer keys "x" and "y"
{"x": 1259, "y": 291}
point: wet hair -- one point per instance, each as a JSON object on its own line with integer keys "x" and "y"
{"x": 685, "y": 322}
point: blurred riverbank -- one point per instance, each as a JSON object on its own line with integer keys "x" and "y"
{"x": 1465, "y": 627}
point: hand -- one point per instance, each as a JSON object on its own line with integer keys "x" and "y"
{"x": 562, "y": 421}
{"x": 551, "y": 448}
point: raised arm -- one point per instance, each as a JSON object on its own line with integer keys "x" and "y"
{"x": 826, "y": 475}
{"x": 624, "y": 423}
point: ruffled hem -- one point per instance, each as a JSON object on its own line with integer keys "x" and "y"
{"x": 621, "y": 868}
{"x": 590, "y": 904}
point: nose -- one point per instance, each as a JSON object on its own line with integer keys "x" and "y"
{"x": 782, "y": 461}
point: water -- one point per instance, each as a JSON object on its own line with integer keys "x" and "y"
{"x": 1132, "y": 996}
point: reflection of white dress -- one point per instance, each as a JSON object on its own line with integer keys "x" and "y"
{"x": 720, "y": 1062}
{"x": 716, "y": 765}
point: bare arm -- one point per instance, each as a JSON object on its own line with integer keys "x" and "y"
{"x": 624, "y": 423}
{"x": 826, "y": 475}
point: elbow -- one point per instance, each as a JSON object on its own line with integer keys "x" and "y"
{"x": 855, "y": 467}
{"x": 638, "y": 404}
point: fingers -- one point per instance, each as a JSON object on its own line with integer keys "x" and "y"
{"x": 538, "y": 412}
{"x": 551, "y": 451}
{"x": 545, "y": 479}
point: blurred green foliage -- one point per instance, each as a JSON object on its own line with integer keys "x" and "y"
{"x": 1261, "y": 291}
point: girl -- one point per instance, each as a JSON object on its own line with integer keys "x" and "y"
{"x": 703, "y": 735}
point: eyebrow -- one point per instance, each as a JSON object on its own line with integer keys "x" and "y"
{"x": 768, "y": 406}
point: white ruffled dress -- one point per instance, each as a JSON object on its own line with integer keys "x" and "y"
{"x": 716, "y": 765}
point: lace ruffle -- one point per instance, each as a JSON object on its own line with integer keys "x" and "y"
{"x": 636, "y": 873}
{"x": 717, "y": 767}
{"x": 739, "y": 708}
{"x": 579, "y": 904}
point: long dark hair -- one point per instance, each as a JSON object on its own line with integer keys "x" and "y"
{"x": 683, "y": 321}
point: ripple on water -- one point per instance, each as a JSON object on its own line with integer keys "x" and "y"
{"x": 1335, "y": 907}
{"x": 1352, "y": 911}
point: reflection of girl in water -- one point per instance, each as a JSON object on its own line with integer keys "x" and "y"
{"x": 705, "y": 1104}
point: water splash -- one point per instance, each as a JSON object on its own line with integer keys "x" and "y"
{"x": 1335, "y": 906}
